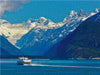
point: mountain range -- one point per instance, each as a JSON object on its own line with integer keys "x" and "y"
{"x": 37, "y": 36}
{"x": 41, "y": 38}
{"x": 83, "y": 43}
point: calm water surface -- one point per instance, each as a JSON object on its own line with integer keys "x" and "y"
{"x": 51, "y": 67}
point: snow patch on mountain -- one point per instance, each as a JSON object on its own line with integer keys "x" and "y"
{"x": 13, "y": 32}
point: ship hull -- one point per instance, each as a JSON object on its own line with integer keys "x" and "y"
{"x": 22, "y": 62}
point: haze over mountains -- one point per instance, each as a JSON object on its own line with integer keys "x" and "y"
{"x": 36, "y": 36}
{"x": 83, "y": 43}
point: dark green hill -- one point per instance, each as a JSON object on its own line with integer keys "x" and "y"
{"x": 84, "y": 42}
{"x": 7, "y": 49}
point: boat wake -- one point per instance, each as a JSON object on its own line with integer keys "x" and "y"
{"x": 61, "y": 66}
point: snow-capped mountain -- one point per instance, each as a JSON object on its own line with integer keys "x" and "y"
{"x": 82, "y": 43}
{"x": 42, "y": 31}
{"x": 46, "y": 33}
{"x": 13, "y": 32}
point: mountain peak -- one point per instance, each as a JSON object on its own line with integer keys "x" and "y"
{"x": 73, "y": 13}
{"x": 42, "y": 19}
{"x": 81, "y": 13}
{"x": 29, "y": 20}
{"x": 96, "y": 10}
{"x": 3, "y": 21}
{"x": 48, "y": 21}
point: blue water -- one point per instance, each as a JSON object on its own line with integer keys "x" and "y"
{"x": 51, "y": 67}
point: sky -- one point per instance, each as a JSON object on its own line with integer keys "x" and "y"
{"x": 19, "y": 11}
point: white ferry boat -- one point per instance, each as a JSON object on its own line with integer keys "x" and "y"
{"x": 23, "y": 60}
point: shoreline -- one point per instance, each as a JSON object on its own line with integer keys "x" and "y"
{"x": 31, "y": 59}
{"x": 51, "y": 59}
{"x": 94, "y": 58}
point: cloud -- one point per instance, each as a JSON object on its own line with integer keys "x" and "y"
{"x": 10, "y": 5}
